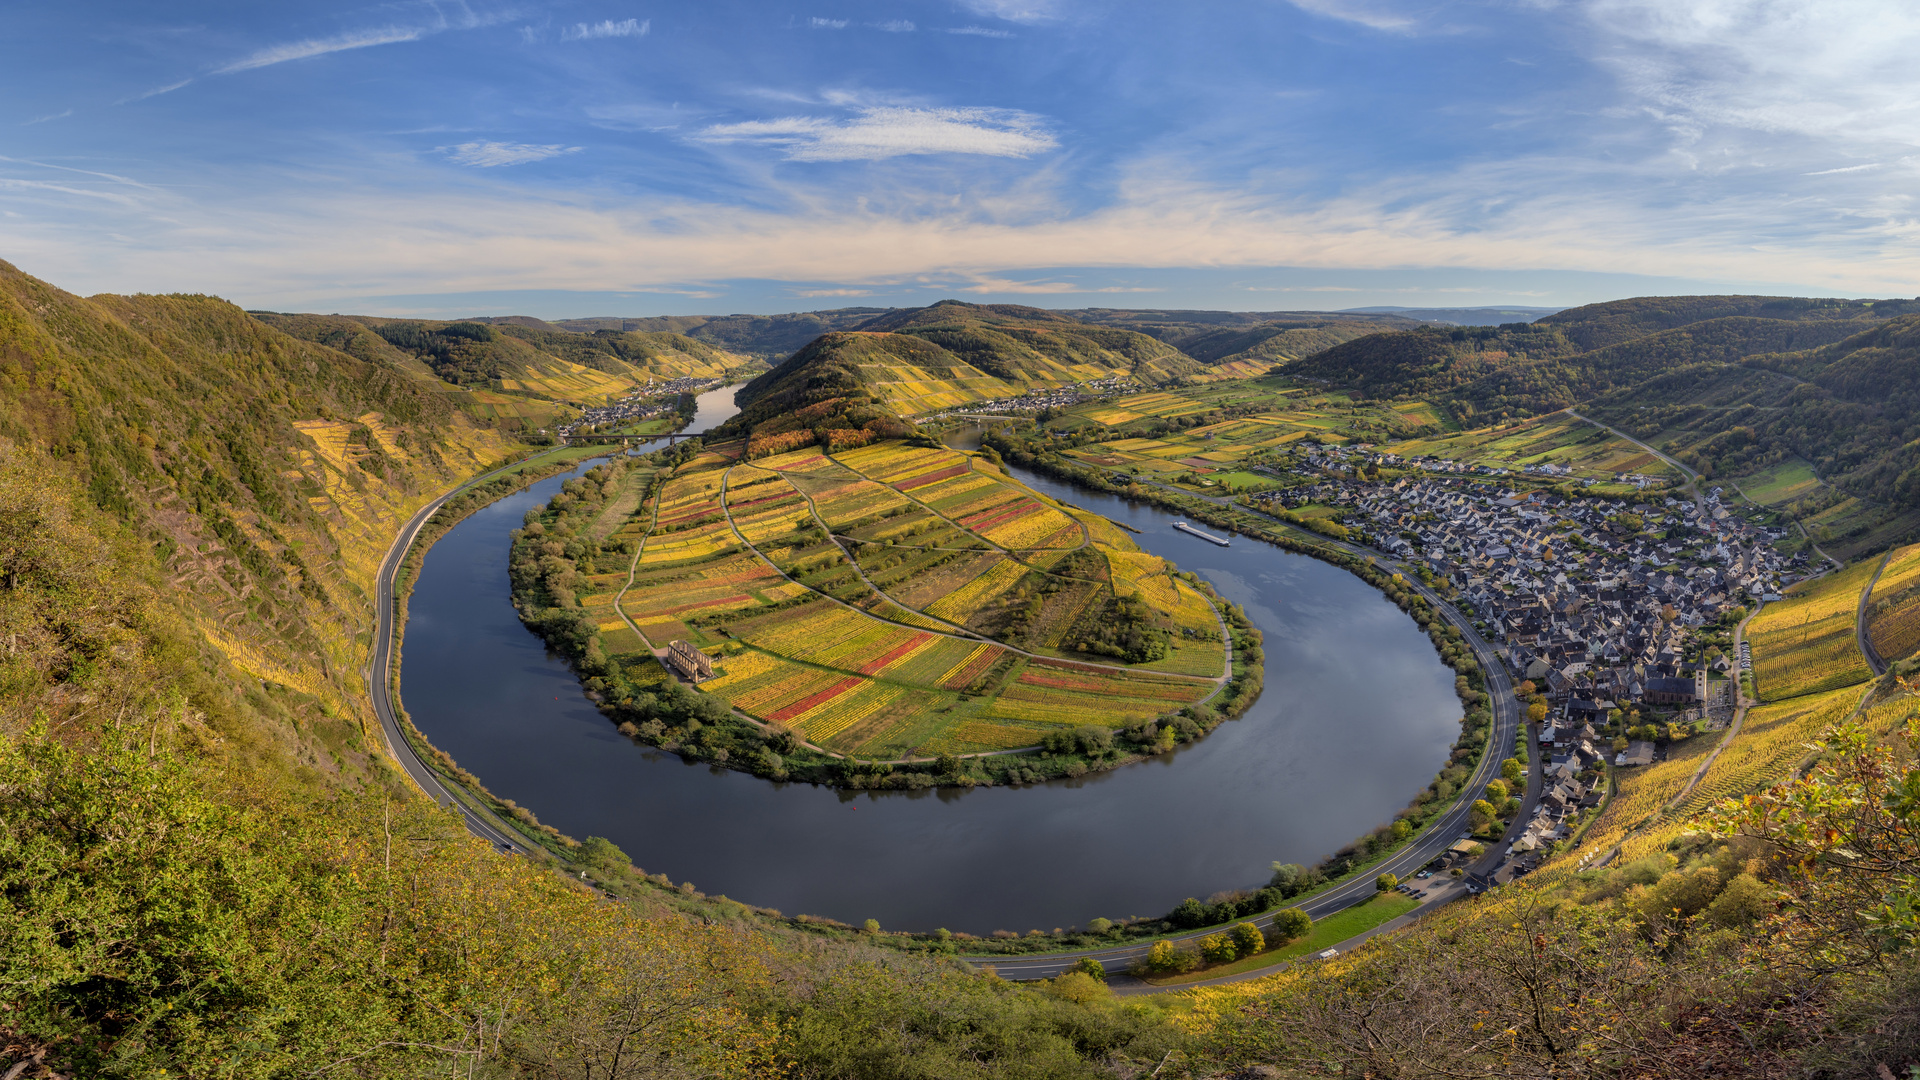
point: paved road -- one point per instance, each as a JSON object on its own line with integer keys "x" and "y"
{"x": 1693, "y": 481}
{"x": 1867, "y": 650}
{"x": 380, "y": 681}
{"x": 1424, "y": 849}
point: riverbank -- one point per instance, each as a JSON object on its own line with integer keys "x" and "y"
{"x": 1362, "y": 721}
{"x": 573, "y": 545}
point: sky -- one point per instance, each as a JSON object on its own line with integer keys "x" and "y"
{"x": 619, "y": 157}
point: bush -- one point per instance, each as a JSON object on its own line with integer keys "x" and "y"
{"x": 1292, "y": 924}
{"x": 1164, "y": 959}
{"x": 1385, "y": 882}
{"x": 1218, "y": 948}
{"x": 1247, "y": 939}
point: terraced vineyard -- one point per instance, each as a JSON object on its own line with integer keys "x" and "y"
{"x": 1805, "y": 643}
{"x": 1771, "y": 742}
{"x": 896, "y": 600}
{"x": 1893, "y": 618}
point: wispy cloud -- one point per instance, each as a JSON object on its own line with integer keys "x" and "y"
{"x": 817, "y": 293}
{"x": 1019, "y": 11}
{"x": 817, "y": 23}
{"x": 1373, "y": 14}
{"x": 894, "y": 26}
{"x": 1044, "y": 288}
{"x": 978, "y": 31}
{"x": 312, "y": 47}
{"x": 155, "y": 92}
{"x": 876, "y": 133}
{"x": 607, "y": 28}
{"x": 1845, "y": 169}
{"x": 62, "y": 115}
{"x": 488, "y": 155}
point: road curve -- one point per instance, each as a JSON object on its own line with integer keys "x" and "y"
{"x": 1435, "y": 839}
{"x": 1860, "y": 634}
{"x": 380, "y": 680}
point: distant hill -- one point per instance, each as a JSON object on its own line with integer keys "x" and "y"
{"x": 918, "y": 360}
{"x": 519, "y": 355}
{"x": 1462, "y": 316}
{"x": 765, "y": 337}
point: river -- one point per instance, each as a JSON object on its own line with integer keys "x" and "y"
{"x": 1356, "y": 717}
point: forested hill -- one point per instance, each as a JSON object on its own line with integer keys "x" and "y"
{"x": 912, "y": 361}
{"x": 767, "y": 337}
{"x": 523, "y": 355}
{"x": 263, "y": 474}
{"x": 1522, "y": 369}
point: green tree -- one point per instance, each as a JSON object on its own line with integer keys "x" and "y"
{"x": 871, "y": 926}
{"x": 1483, "y": 813}
{"x": 1537, "y": 711}
{"x": 1385, "y": 883}
{"x": 1512, "y": 771}
{"x": 1091, "y": 966}
{"x": 1292, "y": 924}
{"x": 1497, "y": 792}
{"x": 1247, "y": 939}
{"x": 1217, "y": 948}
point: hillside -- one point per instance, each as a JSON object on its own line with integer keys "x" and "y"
{"x": 1850, "y": 409}
{"x": 265, "y": 474}
{"x": 766, "y": 337}
{"x": 523, "y": 357}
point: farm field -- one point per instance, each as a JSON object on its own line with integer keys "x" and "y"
{"x": 1273, "y": 418}
{"x": 755, "y": 564}
{"x": 1893, "y": 615}
{"x": 1785, "y": 482}
{"x": 1805, "y": 644}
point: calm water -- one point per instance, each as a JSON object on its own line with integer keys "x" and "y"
{"x": 1356, "y": 717}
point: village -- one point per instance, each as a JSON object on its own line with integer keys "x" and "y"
{"x": 656, "y": 399}
{"x": 1042, "y": 400}
{"x": 1614, "y": 611}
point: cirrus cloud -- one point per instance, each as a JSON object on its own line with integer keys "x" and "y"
{"x": 885, "y": 132}
{"x": 487, "y": 155}
{"x": 607, "y": 28}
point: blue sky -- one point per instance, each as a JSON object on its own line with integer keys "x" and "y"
{"x": 620, "y": 157}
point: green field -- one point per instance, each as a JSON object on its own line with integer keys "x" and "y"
{"x": 1781, "y": 483}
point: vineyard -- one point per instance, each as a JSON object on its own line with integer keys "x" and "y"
{"x": 754, "y": 563}
{"x": 1893, "y": 617}
{"x": 1771, "y": 742}
{"x": 1805, "y": 643}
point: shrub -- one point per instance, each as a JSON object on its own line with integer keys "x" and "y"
{"x": 1247, "y": 939}
{"x": 1218, "y": 948}
{"x": 1385, "y": 882}
{"x": 1292, "y": 924}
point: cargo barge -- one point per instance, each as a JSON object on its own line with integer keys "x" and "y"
{"x": 1208, "y": 537}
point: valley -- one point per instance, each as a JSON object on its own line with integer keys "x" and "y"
{"x": 1007, "y": 647}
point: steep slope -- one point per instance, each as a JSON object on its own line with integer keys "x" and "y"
{"x": 1850, "y": 409}
{"x": 523, "y": 356}
{"x": 266, "y": 473}
{"x": 1596, "y": 326}
{"x": 925, "y": 359}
